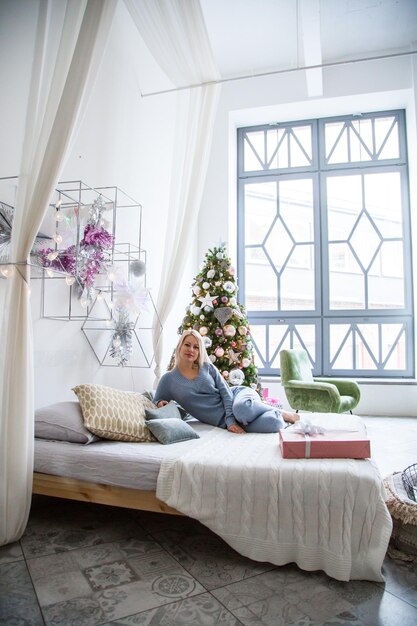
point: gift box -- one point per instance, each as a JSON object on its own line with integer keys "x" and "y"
{"x": 331, "y": 444}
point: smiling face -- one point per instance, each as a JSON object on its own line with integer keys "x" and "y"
{"x": 189, "y": 351}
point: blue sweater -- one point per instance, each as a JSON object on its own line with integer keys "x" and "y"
{"x": 207, "y": 397}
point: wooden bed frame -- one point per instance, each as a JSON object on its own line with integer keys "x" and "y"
{"x": 72, "y": 489}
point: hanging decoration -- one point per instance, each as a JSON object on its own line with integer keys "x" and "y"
{"x": 93, "y": 255}
{"x": 121, "y": 343}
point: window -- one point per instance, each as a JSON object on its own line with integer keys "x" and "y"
{"x": 324, "y": 250}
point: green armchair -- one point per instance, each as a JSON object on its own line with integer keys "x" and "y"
{"x": 305, "y": 393}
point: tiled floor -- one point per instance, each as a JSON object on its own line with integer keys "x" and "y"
{"x": 83, "y": 565}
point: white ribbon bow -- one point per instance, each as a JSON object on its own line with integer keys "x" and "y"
{"x": 306, "y": 427}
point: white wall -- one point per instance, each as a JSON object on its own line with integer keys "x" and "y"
{"x": 126, "y": 141}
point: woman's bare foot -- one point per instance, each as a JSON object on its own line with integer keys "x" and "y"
{"x": 235, "y": 428}
{"x": 290, "y": 418}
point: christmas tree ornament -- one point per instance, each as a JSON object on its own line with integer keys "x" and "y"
{"x": 195, "y": 310}
{"x": 245, "y": 362}
{"x": 229, "y": 330}
{"x": 207, "y": 342}
{"x": 225, "y": 374}
{"x": 229, "y": 286}
{"x": 219, "y": 352}
{"x": 208, "y": 309}
{"x": 232, "y": 301}
{"x": 223, "y": 314}
{"x": 236, "y": 377}
{"x": 224, "y": 299}
{"x": 196, "y": 290}
{"x": 203, "y": 330}
{"x": 219, "y": 255}
{"x": 207, "y": 299}
{"x": 218, "y": 332}
{"x": 234, "y": 357}
{"x": 242, "y": 330}
{"x": 212, "y": 358}
{"x": 210, "y": 274}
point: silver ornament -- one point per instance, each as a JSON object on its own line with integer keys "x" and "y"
{"x": 223, "y": 314}
{"x": 137, "y": 267}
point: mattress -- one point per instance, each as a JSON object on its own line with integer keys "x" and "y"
{"x": 116, "y": 463}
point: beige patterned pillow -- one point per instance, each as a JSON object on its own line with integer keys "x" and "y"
{"x": 114, "y": 414}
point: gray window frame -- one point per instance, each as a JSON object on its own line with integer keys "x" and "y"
{"x": 322, "y": 317}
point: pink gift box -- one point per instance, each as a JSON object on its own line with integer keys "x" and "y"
{"x": 333, "y": 444}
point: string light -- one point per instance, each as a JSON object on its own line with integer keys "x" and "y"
{"x": 7, "y": 270}
{"x": 49, "y": 273}
{"x": 57, "y": 238}
{"x": 70, "y": 280}
{"x": 52, "y": 255}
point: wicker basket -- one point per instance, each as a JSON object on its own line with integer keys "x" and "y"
{"x": 404, "y": 517}
{"x": 409, "y": 478}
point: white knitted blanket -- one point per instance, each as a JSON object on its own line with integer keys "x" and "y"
{"x": 323, "y": 514}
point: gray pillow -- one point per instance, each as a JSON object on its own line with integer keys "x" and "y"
{"x": 62, "y": 421}
{"x": 168, "y": 411}
{"x": 171, "y": 430}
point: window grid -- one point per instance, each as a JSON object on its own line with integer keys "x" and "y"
{"x": 324, "y": 248}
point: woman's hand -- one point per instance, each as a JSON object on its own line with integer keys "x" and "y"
{"x": 161, "y": 403}
{"x": 235, "y": 428}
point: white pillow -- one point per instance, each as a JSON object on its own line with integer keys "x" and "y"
{"x": 62, "y": 421}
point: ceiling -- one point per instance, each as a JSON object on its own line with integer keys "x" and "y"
{"x": 254, "y": 36}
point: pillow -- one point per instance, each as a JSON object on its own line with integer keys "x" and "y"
{"x": 167, "y": 411}
{"x": 114, "y": 414}
{"x": 62, "y": 421}
{"x": 183, "y": 413}
{"x": 169, "y": 430}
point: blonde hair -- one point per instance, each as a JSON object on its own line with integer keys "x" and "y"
{"x": 202, "y": 352}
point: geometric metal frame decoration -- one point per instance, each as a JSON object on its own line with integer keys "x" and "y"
{"x": 99, "y": 332}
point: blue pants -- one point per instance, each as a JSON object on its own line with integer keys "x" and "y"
{"x": 254, "y": 415}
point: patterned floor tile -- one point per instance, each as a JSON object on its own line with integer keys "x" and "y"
{"x": 202, "y": 610}
{"x": 11, "y": 552}
{"x": 401, "y": 579}
{"x": 18, "y": 602}
{"x": 67, "y": 528}
{"x": 84, "y": 587}
{"x": 205, "y": 555}
{"x": 385, "y": 610}
{"x": 281, "y": 597}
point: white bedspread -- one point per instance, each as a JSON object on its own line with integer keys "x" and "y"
{"x": 323, "y": 514}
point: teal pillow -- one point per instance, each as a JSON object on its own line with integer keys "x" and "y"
{"x": 169, "y": 430}
{"x": 169, "y": 410}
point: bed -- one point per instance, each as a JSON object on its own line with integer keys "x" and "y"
{"x": 322, "y": 514}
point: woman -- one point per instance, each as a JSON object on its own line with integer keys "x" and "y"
{"x": 197, "y": 385}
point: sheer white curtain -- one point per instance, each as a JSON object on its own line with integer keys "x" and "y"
{"x": 175, "y": 33}
{"x": 61, "y": 80}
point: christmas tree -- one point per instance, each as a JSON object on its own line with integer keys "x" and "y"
{"x": 216, "y": 314}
